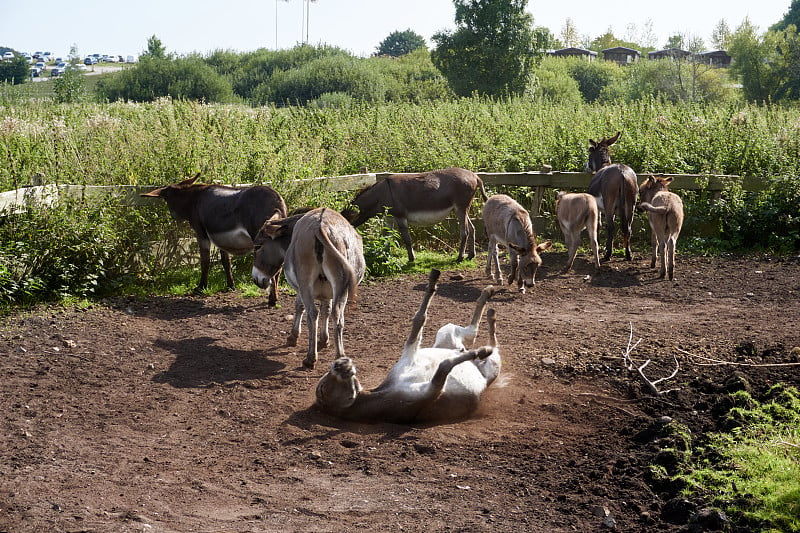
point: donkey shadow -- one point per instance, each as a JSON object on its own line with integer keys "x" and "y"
{"x": 200, "y": 363}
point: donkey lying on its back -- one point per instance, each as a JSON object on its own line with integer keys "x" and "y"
{"x": 229, "y": 217}
{"x": 426, "y": 384}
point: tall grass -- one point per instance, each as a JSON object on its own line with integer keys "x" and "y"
{"x": 157, "y": 142}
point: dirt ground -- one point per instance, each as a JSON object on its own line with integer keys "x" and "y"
{"x": 192, "y": 414}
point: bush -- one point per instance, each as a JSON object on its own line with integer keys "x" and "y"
{"x": 14, "y": 71}
{"x": 327, "y": 75}
{"x": 152, "y": 78}
{"x": 72, "y": 248}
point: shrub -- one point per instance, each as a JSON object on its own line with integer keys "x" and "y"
{"x": 152, "y": 78}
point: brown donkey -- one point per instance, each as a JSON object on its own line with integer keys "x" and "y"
{"x": 615, "y": 189}
{"x": 228, "y": 217}
{"x": 421, "y": 199}
{"x": 665, "y": 213}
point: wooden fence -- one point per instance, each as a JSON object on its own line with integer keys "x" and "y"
{"x": 540, "y": 181}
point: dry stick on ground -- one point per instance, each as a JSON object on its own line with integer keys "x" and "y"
{"x": 717, "y": 362}
{"x": 629, "y": 365}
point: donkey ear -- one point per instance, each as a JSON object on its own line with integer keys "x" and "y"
{"x": 544, "y": 246}
{"x": 613, "y": 139}
{"x": 189, "y": 181}
{"x": 593, "y": 143}
{"x": 155, "y": 193}
{"x": 273, "y": 229}
{"x": 517, "y": 249}
{"x": 667, "y": 180}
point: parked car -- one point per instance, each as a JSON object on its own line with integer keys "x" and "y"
{"x": 40, "y": 65}
{"x": 8, "y": 55}
{"x": 35, "y": 72}
{"x": 56, "y": 71}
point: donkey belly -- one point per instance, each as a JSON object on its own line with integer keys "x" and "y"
{"x": 236, "y": 241}
{"x": 426, "y": 218}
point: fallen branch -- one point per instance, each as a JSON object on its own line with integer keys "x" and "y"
{"x": 630, "y": 366}
{"x": 718, "y": 362}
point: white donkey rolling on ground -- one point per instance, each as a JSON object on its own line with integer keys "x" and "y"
{"x": 444, "y": 382}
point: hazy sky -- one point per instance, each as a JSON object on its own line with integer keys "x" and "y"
{"x": 355, "y": 25}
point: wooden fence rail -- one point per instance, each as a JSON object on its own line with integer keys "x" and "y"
{"x": 13, "y": 201}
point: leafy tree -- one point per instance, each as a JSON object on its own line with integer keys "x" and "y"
{"x": 721, "y": 36}
{"x": 401, "y": 43}
{"x": 569, "y": 34}
{"x": 70, "y": 87}
{"x": 593, "y": 76}
{"x": 493, "y": 49}
{"x": 155, "y": 48}
{"x": 609, "y": 40}
{"x": 791, "y": 17}
{"x": 751, "y": 55}
{"x": 15, "y": 70}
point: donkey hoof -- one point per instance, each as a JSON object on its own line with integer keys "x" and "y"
{"x": 307, "y": 363}
{"x": 291, "y": 340}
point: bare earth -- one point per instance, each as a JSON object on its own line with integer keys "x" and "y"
{"x": 192, "y": 414}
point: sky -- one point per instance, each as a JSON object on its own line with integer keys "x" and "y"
{"x": 359, "y": 26}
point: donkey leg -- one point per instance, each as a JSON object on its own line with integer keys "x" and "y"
{"x": 205, "y": 262}
{"x": 324, "y": 315}
{"x": 312, "y": 317}
{"x": 421, "y": 316}
{"x": 610, "y": 229}
{"x": 470, "y": 237}
{"x": 662, "y": 257}
{"x": 402, "y": 225}
{"x": 572, "y": 248}
{"x": 272, "y": 300}
{"x": 226, "y": 266}
{"x": 671, "y": 258}
{"x": 299, "y": 311}
{"x": 492, "y": 262}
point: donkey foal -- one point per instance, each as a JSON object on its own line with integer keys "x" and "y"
{"x": 576, "y": 212}
{"x": 665, "y": 213}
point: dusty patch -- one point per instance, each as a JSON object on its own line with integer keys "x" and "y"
{"x": 191, "y": 414}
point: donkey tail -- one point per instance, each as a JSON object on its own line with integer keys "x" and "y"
{"x": 346, "y": 275}
{"x": 660, "y": 210}
{"x": 483, "y": 191}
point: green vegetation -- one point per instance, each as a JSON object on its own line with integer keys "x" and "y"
{"x": 752, "y": 471}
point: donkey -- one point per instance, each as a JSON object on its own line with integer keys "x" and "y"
{"x": 228, "y": 217}
{"x": 444, "y": 382}
{"x": 576, "y": 212}
{"x": 615, "y": 189}
{"x": 507, "y": 223}
{"x": 665, "y": 213}
{"x": 421, "y": 199}
{"x": 323, "y": 260}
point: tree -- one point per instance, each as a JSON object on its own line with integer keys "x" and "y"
{"x": 401, "y": 43}
{"x": 752, "y": 55}
{"x": 70, "y": 86}
{"x": 15, "y": 70}
{"x": 569, "y": 34}
{"x": 493, "y": 49}
{"x": 791, "y": 17}
{"x": 155, "y": 48}
{"x": 721, "y": 36}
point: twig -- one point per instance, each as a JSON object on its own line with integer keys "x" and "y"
{"x": 629, "y": 365}
{"x": 718, "y": 362}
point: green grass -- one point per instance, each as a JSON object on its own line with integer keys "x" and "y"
{"x": 753, "y": 471}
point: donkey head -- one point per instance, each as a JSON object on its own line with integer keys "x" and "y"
{"x": 178, "y": 201}
{"x": 651, "y": 186}
{"x": 269, "y": 248}
{"x": 529, "y": 262}
{"x": 599, "y": 154}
